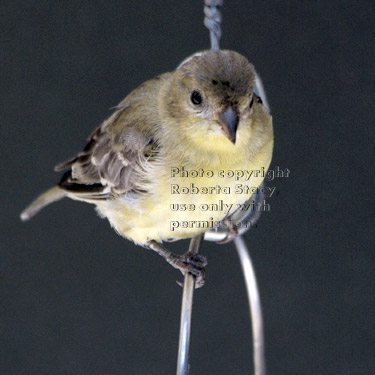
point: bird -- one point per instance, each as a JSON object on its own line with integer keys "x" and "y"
{"x": 173, "y": 142}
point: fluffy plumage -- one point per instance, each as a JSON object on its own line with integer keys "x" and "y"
{"x": 125, "y": 169}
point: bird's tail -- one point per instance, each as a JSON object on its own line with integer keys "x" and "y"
{"x": 51, "y": 195}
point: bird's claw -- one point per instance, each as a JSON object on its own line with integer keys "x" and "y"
{"x": 232, "y": 232}
{"x": 195, "y": 265}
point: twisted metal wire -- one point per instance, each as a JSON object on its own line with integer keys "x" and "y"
{"x": 212, "y": 21}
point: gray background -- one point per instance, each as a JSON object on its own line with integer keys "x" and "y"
{"x": 78, "y": 299}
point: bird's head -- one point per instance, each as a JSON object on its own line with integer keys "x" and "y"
{"x": 209, "y": 97}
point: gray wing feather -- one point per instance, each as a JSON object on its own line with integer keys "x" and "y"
{"x": 107, "y": 166}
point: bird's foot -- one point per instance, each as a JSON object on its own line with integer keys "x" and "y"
{"x": 187, "y": 263}
{"x": 191, "y": 263}
{"x": 232, "y": 232}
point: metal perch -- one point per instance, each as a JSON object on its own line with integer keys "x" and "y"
{"x": 245, "y": 220}
{"x": 186, "y": 308}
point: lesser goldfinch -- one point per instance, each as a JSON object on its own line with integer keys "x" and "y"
{"x": 204, "y": 116}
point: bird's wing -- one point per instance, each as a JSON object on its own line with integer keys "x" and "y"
{"x": 110, "y": 163}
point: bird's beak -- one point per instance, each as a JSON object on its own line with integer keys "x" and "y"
{"x": 228, "y": 119}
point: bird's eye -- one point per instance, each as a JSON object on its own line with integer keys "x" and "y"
{"x": 251, "y": 101}
{"x": 196, "y": 97}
